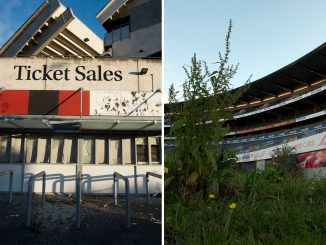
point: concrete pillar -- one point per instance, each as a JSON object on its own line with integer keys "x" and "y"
{"x": 148, "y": 142}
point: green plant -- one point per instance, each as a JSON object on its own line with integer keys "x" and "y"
{"x": 286, "y": 161}
{"x": 202, "y": 124}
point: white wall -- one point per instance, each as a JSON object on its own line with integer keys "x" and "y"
{"x": 129, "y": 68}
{"x": 17, "y": 175}
{"x": 98, "y": 179}
{"x": 59, "y": 177}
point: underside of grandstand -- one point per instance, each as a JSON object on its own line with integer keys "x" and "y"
{"x": 286, "y": 106}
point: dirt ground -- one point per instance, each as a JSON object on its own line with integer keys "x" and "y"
{"x": 101, "y": 221}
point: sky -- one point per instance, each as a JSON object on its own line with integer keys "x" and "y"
{"x": 266, "y": 35}
{"x": 14, "y": 13}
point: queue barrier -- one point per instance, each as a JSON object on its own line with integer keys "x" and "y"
{"x": 117, "y": 176}
{"x": 147, "y": 181}
{"x": 11, "y": 173}
{"x": 31, "y": 182}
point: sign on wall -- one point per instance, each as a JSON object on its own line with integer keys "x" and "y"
{"x": 311, "y": 143}
{"x": 56, "y": 86}
{"x": 71, "y": 74}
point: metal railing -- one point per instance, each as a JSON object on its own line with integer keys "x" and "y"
{"x": 117, "y": 176}
{"x": 78, "y": 198}
{"x": 11, "y": 173}
{"x": 147, "y": 181}
{"x": 30, "y": 194}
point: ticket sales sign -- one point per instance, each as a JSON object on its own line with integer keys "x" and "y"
{"x": 72, "y": 73}
{"x": 56, "y": 86}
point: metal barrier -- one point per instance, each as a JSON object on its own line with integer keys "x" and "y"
{"x": 147, "y": 181}
{"x": 11, "y": 173}
{"x": 30, "y": 193}
{"x": 78, "y": 198}
{"x": 117, "y": 176}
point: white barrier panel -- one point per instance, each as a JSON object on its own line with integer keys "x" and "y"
{"x": 311, "y": 143}
{"x": 17, "y": 180}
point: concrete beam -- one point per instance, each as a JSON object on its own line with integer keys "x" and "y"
{"x": 109, "y": 9}
{"x": 83, "y": 46}
{"x": 71, "y": 45}
{"x": 60, "y": 23}
{"x": 64, "y": 47}
{"x": 28, "y": 30}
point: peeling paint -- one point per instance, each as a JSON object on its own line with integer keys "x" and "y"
{"x": 123, "y": 102}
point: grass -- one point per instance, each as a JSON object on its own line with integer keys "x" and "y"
{"x": 271, "y": 209}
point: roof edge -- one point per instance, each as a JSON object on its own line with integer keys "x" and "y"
{"x": 21, "y": 29}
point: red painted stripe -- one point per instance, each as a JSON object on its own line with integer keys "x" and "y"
{"x": 14, "y": 102}
{"x": 70, "y": 103}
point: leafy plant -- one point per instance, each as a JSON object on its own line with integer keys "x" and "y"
{"x": 286, "y": 161}
{"x": 202, "y": 124}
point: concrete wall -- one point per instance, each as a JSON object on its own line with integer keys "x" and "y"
{"x": 145, "y": 29}
{"x": 141, "y": 43}
{"x": 18, "y": 170}
{"x": 130, "y": 68}
{"x": 98, "y": 179}
{"x": 123, "y": 103}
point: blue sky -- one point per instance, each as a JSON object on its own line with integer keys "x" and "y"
{"x": 266, "y": 36}
{"x": 14, "y": 13}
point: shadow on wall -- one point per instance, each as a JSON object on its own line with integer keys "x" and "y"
{"x": 59, "y": 181}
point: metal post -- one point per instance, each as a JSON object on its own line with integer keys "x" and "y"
{"x": 78, "y": 181}
{"x": 43, "y": 190}
{"x": 127, "y": 202}
{"x": 10, "y": 186}
{"x": 31, "y": 182}
{"x": 147, "y": 191}
{"x": 147, "y": 184}
{"x": 152, "y": 83}
{"x": 29, "y": 204}
{"x": 11, "y": 173}
{"x": 127, "y": 206}
{"x": 115, "y": 189}
{"x": 78, "y": 202}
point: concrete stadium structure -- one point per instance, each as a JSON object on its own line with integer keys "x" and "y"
{"x": 142, "y": 38}
{"x": 286, "y": 106}
{"x": 67, "y": 109}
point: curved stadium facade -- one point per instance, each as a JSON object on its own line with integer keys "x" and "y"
{"x": 286, "y": 106}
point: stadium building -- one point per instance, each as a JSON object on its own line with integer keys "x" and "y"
{"x": 67, "y": 108}
{"x": 287, "y": 106}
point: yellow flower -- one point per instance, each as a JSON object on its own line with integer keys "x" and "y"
{"x": 233, "y": 205}
{"x": 166, "y": 170}
{"x": 211, "y": 196}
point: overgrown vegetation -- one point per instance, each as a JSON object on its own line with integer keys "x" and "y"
{"x": 286, "y": 161}
{"x": 200, "y": 126}
{"x": 207, "y": 200}
{"x": 269, "y": 210}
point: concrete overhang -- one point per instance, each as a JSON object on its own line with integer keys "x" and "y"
{"x": 93, "y": 123}
{"x": 53, "y": 30}
{"x": 110, "y": 9}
